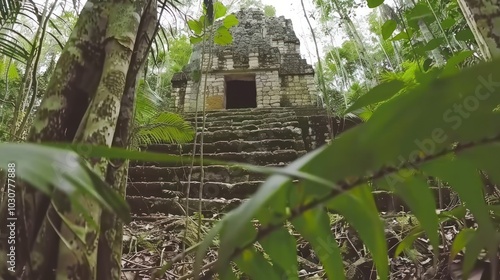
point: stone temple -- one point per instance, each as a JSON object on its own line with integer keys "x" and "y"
{"x": 261, "y": 68}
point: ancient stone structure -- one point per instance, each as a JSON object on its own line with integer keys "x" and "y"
{"x": 265, "y": 137}
{"x": 262, "y": 68}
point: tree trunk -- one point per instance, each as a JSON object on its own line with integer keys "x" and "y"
{"x": 351, "y": 30}
{"x": 90, "y": 93}
{"x": 428, "y": 36}
{"x": 483, "y": 17}
{"x": 111, "y": 236}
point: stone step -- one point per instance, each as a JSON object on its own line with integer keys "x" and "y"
{"x": 242, "y": 117}
{"x": 176, "y": 206}
{"x": 251, "y": 135}
{"x": 233, "y": 146}
{"x": 246, "y": 122}
{"x": 241, "y": 111}
{"x": 222, "y": 123}
{"x": 385, "y": 202}
{"x": 310, "y": 111}
{"x": 242, "y": 126}
{"x": 213, "y": 173}
{"x": 179, "y": 189}
{"x": 256, "y": 158}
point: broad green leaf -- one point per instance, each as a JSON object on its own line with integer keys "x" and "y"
{"x": 92, "y": 151}
{"x": 388, "y": 28}
{"x": 418, "y": 196}
{"x": 377, "y": 94}
{"x": 358, "y": 207}
{"x": 452, "y": 63}
{"x": 485, "y": 157}
{"x": 275, "y": 211}
{"x": 223, "y": 36}
{"x": 220, "y": 9}
{"x": 408, "y": 241}
{"x": 255, "y": 265}
{"x": 195, "y": 26}
{"x": 427, "y": 64}
{"x": 281, "y": 248}
{"x": 457, "y": 213}
{"x": 464, "y": 35}
{"x": 202, "y": 249}
{"x": 400, "y": 36}
{"x": 374, "y": 3}
{"x": 228, "y": 274}
{"x": 314, "y": 226}
{"x": 448, "y": 23}
{"x": 460, "y": 241}
{"x": 46, "y": 168}
{"x": 479, "y": 240}
{"x": 434, "y": 43}
{"x": 419, "y": 12}
{"x": 464, "y": 179}
{"x": 416, "y": 193}
{"x": 230, "y": 21}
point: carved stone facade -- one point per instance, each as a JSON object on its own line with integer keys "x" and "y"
{"x": 262, "y": 68}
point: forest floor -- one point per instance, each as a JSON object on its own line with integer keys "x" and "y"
{"x": 152, "y": 241}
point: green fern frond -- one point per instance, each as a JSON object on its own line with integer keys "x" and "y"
{"x": 166, "y": 127}
{"x": 410, "y": 71}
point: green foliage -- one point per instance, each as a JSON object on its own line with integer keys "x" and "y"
{"x": 426, "y": 146}
{"x": 269, "y": 11}
{"x": 377, "y": 94}
{"x": 165, "y": 127}
{"x": 221, "y": 36}
{"x": 388, "y": 28}
{"x": 374, "y": 3}
{"x": 154, "y": 126}
{"x": 48, "y": 169}
{"x": 8, "y": 10}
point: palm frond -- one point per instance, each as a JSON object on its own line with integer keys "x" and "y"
{"x": 154, "y": 126}
{"x": 166, "y": 127}
{"x": 9, "y": 10}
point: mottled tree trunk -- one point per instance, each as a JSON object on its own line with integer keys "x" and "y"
{"x": 483, "y": 17}
{"x": 110, "y": 241}
{"x": 89, "y": 100}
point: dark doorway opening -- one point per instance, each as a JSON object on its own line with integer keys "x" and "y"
{"x": 241, "y": 92}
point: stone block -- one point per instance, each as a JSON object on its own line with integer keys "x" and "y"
{"x": 215, "y": 102}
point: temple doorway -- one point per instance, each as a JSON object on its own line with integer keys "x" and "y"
{"x": 241, "y": 91}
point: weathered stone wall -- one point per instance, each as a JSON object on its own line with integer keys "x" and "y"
{"x": 264, "y": 47}
{"x": 293, "y": 88}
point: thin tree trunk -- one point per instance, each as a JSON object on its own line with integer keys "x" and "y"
{"x": 27, "y": 77}
{"x": 428, "y": 36}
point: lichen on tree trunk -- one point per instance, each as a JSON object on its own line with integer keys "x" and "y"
{"x": 111, "y": 236}
{"x": 483, "y": 17}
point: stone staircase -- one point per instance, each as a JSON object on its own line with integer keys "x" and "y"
{"x": 265, "y": 137}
